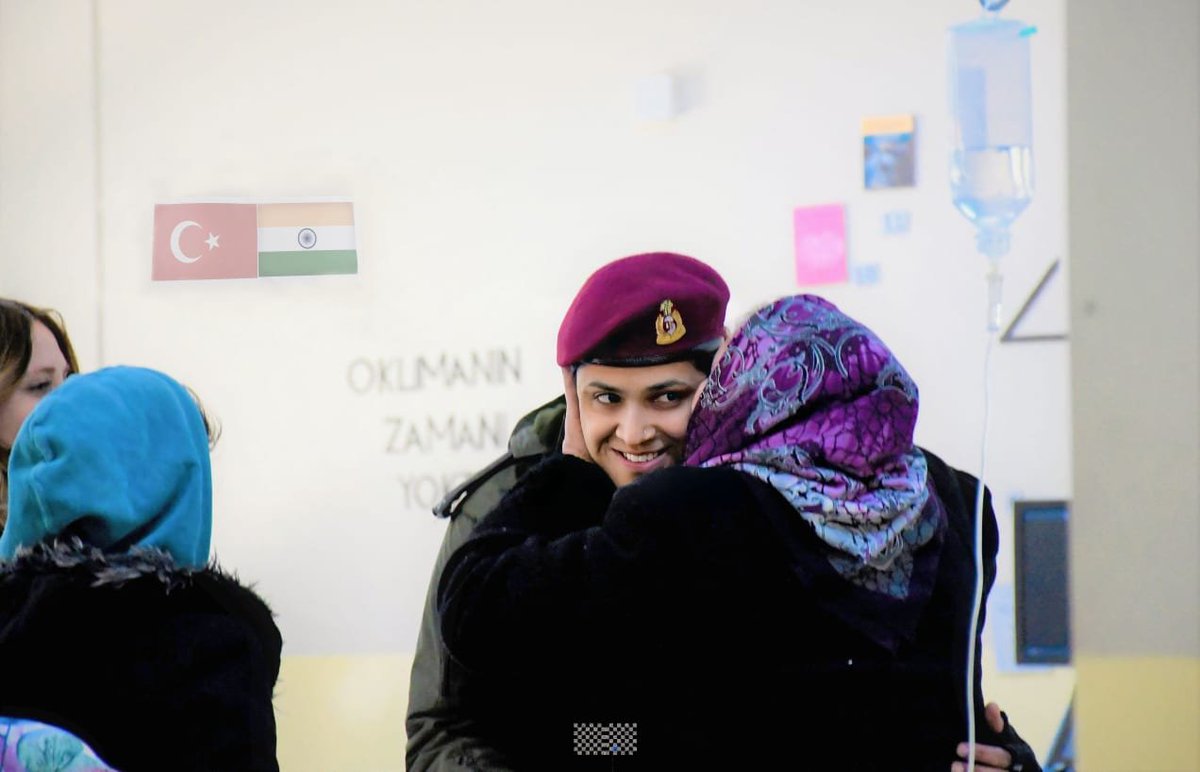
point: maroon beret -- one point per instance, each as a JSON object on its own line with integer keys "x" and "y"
{"x": 643, "y": 310}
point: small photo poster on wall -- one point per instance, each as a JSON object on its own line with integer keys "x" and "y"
{"x": 888, "y": 152}
{"x": 820, "y": 241}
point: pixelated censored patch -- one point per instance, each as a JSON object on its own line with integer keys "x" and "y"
{"x": 605, "y": 739}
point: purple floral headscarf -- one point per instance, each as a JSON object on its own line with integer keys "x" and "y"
{"x": 812, "y": 402}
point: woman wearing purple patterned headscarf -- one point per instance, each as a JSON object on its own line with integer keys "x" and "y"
{"x": 796, "y": 596}
{"x": 813, "y": 403}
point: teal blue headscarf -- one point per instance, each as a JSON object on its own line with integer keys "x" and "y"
{"x": 117, "y": 457}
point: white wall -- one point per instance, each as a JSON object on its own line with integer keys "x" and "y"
{"x": 494, "y": 157}
{"x": 1134, "y": 108}
{"x": 48, "y": 192}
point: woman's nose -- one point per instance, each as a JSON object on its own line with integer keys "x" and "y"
{"x": 634, "y": 429}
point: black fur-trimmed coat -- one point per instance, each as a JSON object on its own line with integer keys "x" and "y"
{"x": 156, "y": 667}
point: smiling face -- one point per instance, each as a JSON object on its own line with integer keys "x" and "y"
{"x": 46, "y": 371}
{"x": 635, "y": 419}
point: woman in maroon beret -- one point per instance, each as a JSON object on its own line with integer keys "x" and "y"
{"x": 795, "y": 595}
{"x": 637, "y": 343}
{"x": 640, "y": 334}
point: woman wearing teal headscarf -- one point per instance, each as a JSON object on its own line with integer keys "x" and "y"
{"x": 113, "y": 623}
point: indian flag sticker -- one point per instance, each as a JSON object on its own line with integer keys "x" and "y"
{"x": 306, "y": 239}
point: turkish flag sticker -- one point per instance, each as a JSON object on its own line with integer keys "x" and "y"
{"x": 205, "y": 241}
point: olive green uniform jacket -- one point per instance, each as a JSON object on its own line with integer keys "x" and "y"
{"x": 440, "y": 737}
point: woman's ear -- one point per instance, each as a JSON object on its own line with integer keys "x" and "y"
{"x": 573, "y": 442}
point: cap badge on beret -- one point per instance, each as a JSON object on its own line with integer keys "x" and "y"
{"x": 669, "y": 324}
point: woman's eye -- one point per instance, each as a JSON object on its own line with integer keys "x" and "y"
{"x": 670, "y": 397}
{"x": 607, "y": 398}
{"x": 40, "y": 387}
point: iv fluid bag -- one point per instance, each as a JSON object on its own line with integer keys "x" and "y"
{"x": 991, "y": 169}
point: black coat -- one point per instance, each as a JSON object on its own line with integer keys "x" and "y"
{"x": 675, "y": 604}
{"x": 155, "y": 667}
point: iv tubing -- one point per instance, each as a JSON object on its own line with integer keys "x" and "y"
{"x": 993, "y": 325}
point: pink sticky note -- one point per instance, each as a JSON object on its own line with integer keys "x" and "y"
{"x": 820, "y": 233}
{"x": 205, "y": 241}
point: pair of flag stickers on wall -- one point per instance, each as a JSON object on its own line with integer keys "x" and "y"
{"x": 246, "y": 241}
